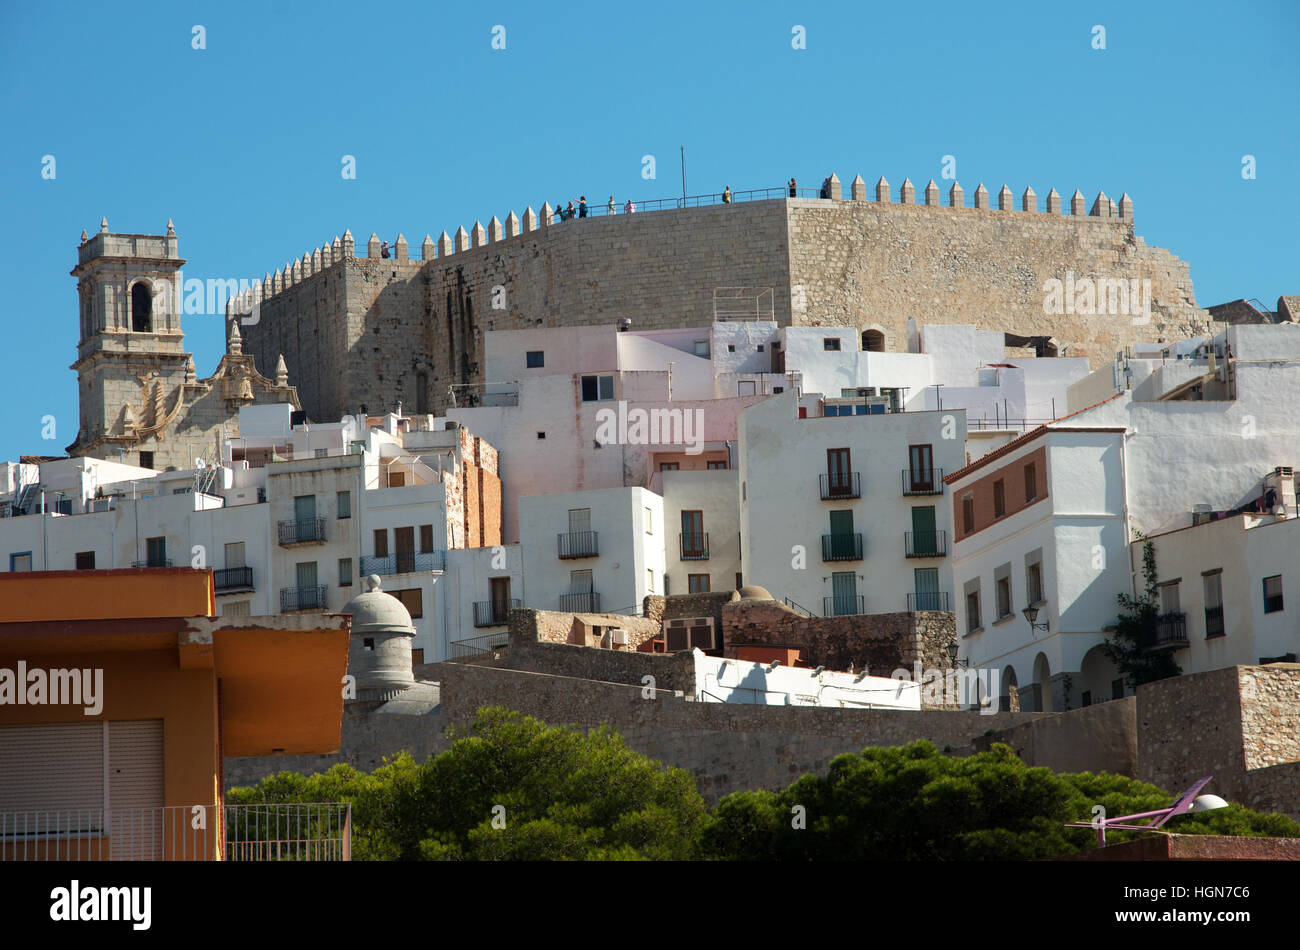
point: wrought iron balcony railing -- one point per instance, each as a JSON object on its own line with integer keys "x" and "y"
{"x": 153, "y": 562}
{"x": 304, "y": 598}
{"x": 403, "y": 562}
{"x": 580, "y": 603}
{"x": 837, "y": 485}
{"x": 1214, "y": 622}
{"x": 578, "y": 544}
{"x": 843, "y": 605}
{"x": 922, "y": 481}
{"x": 694, "y": 547}
{"x": 493, "y": 613}
{"x": 927, "y": 600}
{"x": 230, "y": 579}
{"x": 1170, "y": 633}
{"x": 478, "y": 646}
{"x": 925, "y": 543}
{"x": 302, "y": 531}
{"x": 842, "y": 547}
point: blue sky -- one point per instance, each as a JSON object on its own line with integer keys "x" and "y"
{"x": 241, "y": 143}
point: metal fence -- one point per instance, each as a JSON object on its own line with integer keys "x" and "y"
{"x": 260, "y": 832}
{"x": 478, "y": 646}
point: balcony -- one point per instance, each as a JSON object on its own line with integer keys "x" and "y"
{"x": 574, "y": 544}
{"x": 493, "y": 613}
{"x": 843, "y": 605}
{"x": 923, "y": 481}
{"x": 694, "y": 547}
{"x": 153, "y": 562}
{"x": 305, "y": 531}
{"x": 842, "y": 547}
{"x": 925, "y": 543}
{"x": 403, "y": 562}
{"x": 233, "y": 579}
{"x": 303, "y": 598}
{"x": 1170, "y": 633}
{"x": 281, "y": 832}
{"x": 839, "y": 485}
{"x": 580, "y": 603}
{"x": 927, "y": 600}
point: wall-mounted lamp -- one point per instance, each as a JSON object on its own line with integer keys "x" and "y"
{"x": 1031, "y": 614}
{"x": 951, "y": 650}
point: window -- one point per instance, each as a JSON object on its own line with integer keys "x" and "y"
{"x": 1004, "y": 597}
{"x": 669, "y": 466}
{"x": 731, "y": 347}
{"x": 718, "y": 464}
{"x": 1034, "y": 583}
{"x": 739, "y": 581}
{"x": 777, "y": 390}
{"x": 831, "y": 343}
{"x": 1273, "y": 594}
{"x": 85, "y": 560}
{"x": 999, "y": 498}
{"x": 237, "y": 608}
{"x": 426, "y": 538}
{"x": 649, "y": 521}
{"x": 368, "y": 644}
{"x": 968, "y": 514}
{"x": 702, "y": 348}
{"x": 345, "y": 504}
{"x": 1169, "y": 597}
{"x": 972, "y": 611}
{"x": 1117, "y": 688}
{"x": 381, "y": 542}
{"x": 746, "y": 387}
{"x": 321, "y": 453}
{"x": 157, "y": 552}
{"x": 541, "y": 435}
{"x": 697, "y": 583}
{"x": 1031, "y": 482}
{"x": 693, "y": 535}
{"x": 235, "y": 555}
{"x": 650, "y": 580}
{"x": 141, "y": 308}
{"x": 597, "y": 388}
{"x": 535, "y": 359}
{"x": 1212, "y": 582}
{"x": 920, "y": 459}
{"x": 345, "y": 572}
{"x": 412, "y": 600}
{"x": 146, "y": 460}
{"x": 20, "y": 562}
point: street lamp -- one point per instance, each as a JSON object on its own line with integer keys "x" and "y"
{"x": 951, "y": 650}
{"x": 1031, "y": 614}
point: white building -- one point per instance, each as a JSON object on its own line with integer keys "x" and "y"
{"x": 702, "y": 531}
{"x": 845, "y": 515}
{"x": 594, "y": 551}
{"x": 719, "y": 680}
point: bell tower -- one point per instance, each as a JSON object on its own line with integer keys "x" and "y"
{"x": 130, "y": 354}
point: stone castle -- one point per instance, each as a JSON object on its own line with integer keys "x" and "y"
{"x": 375, "y": 331}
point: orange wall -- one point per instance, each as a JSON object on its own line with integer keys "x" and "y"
{"x": 1012, "y": 475}
{"x": 145, "y": 685}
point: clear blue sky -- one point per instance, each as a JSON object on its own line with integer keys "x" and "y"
{"x": 241, "y": 143}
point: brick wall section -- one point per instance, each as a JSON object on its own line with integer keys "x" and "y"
{"x": 729, "y": 746}
{"x": 1190, "y": 726}
{"x": 1276, "y": 788}
{"x": 675, "y": 671}
{"x": 1097, "y": 738}
{"x": 362, "y": 331}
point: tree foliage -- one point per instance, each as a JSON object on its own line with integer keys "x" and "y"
{"x": 1137, "y": 626}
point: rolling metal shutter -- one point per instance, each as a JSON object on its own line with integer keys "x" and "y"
{"x": 54, "y": 767}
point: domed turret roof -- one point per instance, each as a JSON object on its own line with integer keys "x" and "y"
{"x": 754, "y": 592}
{"x": 377, "y": 612}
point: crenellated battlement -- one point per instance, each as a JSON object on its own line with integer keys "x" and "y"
{"x": 344, "y": 248}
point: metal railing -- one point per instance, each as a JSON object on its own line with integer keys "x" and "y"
{"x": 304, "y": 598}
{"x": 835, "y": 486}
{"x": 258, "y": 832}
{"x": 1170, "y": 631}
{"x": 492, "y": 613}
{"x": 843, "y": 605}
{"x": 153, "y": 562}
{"x": 842, "y": 547}
{"x": 478, "y": 646}
{"x": 580, "y": 603}
{"x": 925, "y": 543}
{"x": 578, "y": 544}
{"x": 233, "y": 578}
{"x": 403, "y": 562}
{"x": 923, "y": 481}
{"x": 693, "y": 547}
{"x": 796, "y": 607}
{"x": 1214, "y": 622}
{"x": 927, "y": 600}
{"x": 302, "y": 531}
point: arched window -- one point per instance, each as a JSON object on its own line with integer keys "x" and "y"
{"x": 873, "y": 341}
{"x": 141, "y": 308}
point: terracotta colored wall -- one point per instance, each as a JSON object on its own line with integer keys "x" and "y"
{"x": 1013, "y": 475}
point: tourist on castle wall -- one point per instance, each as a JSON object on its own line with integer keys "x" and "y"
{"x": 611, "y": 208}
{"x": 630, "y": 207}
{"x": 794, "y": 188}
{"x": 726, "y": 195}
{"x": 383, "y": 250}
{"x": 582, "y": 206}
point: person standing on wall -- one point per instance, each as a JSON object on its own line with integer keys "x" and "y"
{"x": 726, "y": 195}
{"x": 582, "y": 206}
{"x": 794, "y": 189}
{"x": 611, "y": 207}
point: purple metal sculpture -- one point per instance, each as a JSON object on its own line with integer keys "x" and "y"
{"x": 1187, "y": 802}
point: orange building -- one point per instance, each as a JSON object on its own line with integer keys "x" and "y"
{"x": 120, "y": 697}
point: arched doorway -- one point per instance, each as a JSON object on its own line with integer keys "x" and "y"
{"x": 141, "y": 308}
{"x": 1042, "y": 684}
{"x": 1008, "y": 686}
{"x": 873, "y": 341}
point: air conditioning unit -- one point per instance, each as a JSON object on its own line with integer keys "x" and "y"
{"x": 618, "y": 637}
{"x": 688, "y": 634}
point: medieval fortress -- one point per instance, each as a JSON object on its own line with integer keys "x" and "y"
{"x": 377, "y": 331}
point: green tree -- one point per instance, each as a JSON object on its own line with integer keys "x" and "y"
{"x": 1137, "y": 626}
